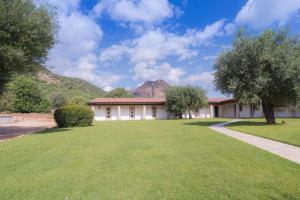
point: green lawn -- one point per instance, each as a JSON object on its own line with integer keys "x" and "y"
{"x": 289, "y": 132}
{"x": 142, "y": 160}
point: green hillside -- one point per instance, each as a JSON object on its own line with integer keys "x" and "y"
{"x": 70, "y": 87}
{"x": 54, "y": 91}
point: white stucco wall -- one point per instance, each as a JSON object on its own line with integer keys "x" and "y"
{"x": 204, "y": 112}
{"x": 100, "y": 112}
{"x": 228, "y": 110}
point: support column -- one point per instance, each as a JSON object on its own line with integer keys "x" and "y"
{"x": 220, "y": 110}
{"x": 261, "y": 109}
{"x": 237, "y": 110}
{"x": 119, "y": 112}
{"x": 211, "y": 111}
{"x": 144, "y": 112}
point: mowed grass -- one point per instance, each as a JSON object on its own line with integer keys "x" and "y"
{"x": 142, "y": 160}
{"x": 288, "y": 132}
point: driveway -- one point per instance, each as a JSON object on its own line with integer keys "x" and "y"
{"x": 24, "y": 127}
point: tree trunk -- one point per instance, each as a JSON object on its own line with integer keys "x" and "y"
{"x": 269, "y": 113}
{"x": 180, "y": 115}
{"x": 190, "y": 115}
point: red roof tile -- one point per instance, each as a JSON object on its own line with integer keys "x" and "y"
{"x": 127, "y": 100}
{"x": 147, "y": 100}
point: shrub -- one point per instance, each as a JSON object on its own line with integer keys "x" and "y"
{"x": 58, "y": 100}
{"x": 70, "y": 116}
{"x": 28, "y": 95}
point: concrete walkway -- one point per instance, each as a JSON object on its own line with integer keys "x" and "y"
{"x": 287, "y": 151}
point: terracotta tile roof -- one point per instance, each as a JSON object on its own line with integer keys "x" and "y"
{"x": 104, "y": 101}
{"x": 127, "y": 101}
{"x": 220, "y": 100}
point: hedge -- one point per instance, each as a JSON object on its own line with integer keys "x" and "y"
{"x": 73, "y": 115}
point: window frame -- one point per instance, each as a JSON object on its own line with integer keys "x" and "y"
{"x": 131, "y": 108}
{"x": 154, "y": 112}
{"x": 108, "y": 113}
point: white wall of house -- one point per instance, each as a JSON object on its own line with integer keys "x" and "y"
{"x": 124, "y": 112}
{"x": 204, "y": 112}
{"x": 228, "y": 110}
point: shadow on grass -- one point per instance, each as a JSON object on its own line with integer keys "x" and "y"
{"x": 204, "y": 123}
{"x": 251, "y": 123}
{"x": 53, "y": 130}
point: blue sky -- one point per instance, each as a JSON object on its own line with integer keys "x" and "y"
{"x": 122, "y": 43}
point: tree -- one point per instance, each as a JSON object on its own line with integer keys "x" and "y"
{"x": 181, "y": 99}
{"x": 58, "y": 100}
{"x": 175, "y": 101}
{"x": 28, "y": 96}
{"x": 26, "y": 34}
{"x": 119, "y": 93}
{"x": 262, "y": 68}
{"x": 195, "y": 98}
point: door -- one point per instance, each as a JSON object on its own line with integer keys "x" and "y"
{"x": 216, "y": 109}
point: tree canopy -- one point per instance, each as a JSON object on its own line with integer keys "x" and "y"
{"x": 119, "y": 93}
{"x": 27, "y": 32}
{"x": 181, "y": 99}
{"x": 263, "y": 68}
{"x": 28, "y": 96}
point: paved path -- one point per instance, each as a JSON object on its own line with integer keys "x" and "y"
{"x": 287, "y": 151}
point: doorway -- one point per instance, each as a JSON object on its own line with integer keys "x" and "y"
{"x": 216, "y": 111}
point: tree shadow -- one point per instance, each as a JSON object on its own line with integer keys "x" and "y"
{"x": 252, "y": 123}
{"x": 204, "y": 123}
{"x": 53, "y": 130}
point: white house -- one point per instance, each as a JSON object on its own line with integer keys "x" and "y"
{"x": 154, "y": 108}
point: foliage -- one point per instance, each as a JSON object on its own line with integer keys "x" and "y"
{"x": 74, "y": 89}
{"x": 261, "y": 68}
{"x": 119, "y": 93}
{"x": 26, "y": 34}
{"x": 70, "y": 116}
{"x": 181, "y": 99}
{"x": 6, "y": 101}
{"x": 58, "y": 100}
{"x": 79, "y": 101}
{"x": 28, "y": 95}
{"x": 153, "y": 160}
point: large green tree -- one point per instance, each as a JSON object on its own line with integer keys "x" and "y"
{"x": 181, "y": 99}
{"x": 27, "y": 32}
{"x": 263, "y": 68}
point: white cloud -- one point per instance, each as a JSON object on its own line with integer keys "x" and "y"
{"x": 135, "y": 10}
{"x": 86, "y": 68}
{"x": 151, "y": 71}
{"x": 78, "y": 39}
{"x": 157, "y": 45}
{"x": 154, "y": 46}
{"x": 204, "y": 79}
{"x": 209, "y": 58}
{"x": 263, "y": 13}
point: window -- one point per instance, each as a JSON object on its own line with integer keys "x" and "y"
{"x": 99, "y": 107}
{"x": 131, "y": 112}
{"x": 241, "y": 107}
{"x": 228, "y": 105}
{"x": 154, "y": 111}
{"x": 108, "y": 112}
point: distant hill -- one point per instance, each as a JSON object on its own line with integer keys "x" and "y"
{"x": 152, "y": 89}
{"x": 70, "y": 87}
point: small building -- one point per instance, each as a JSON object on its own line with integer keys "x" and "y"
{"x": 154, "y": 108}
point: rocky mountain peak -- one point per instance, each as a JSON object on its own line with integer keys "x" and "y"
{"x": 152, "y": 89}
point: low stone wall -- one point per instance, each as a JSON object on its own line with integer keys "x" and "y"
{"x": 43, "y": 117}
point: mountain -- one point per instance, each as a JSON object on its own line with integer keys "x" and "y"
{"x": 152, "y": 89}
{"x": 70, "y": 87}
